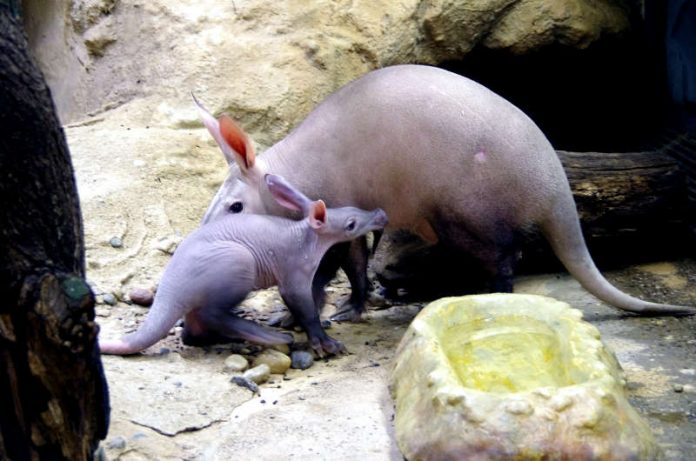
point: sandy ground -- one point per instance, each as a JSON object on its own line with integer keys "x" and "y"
{"x": 148, "y": 185}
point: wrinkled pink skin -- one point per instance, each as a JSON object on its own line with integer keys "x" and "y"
{"x": 445, "y": 158}
{"x": 217, "y": 266}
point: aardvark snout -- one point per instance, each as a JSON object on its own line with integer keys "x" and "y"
{"x": 380, "y": 219}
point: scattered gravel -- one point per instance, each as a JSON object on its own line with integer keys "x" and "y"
{"x": 277, "y": 362}
{"x": 116, "y": 242}
{"x": 236, "y": 363}
{"x": 117, "y": 443}
{"x": 109, "y": 299}
{"x": 258, "y": 374}
{"x": 301, "y": 360}
{"x": 142, "y": 296}
{"x": 242, "y": 381}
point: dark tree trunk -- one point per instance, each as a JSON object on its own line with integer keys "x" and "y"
{"x": 633, "y": 208}
{"x": 53, "y": 394}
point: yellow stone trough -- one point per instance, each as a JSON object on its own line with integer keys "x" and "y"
{"x": 511, "y": 377}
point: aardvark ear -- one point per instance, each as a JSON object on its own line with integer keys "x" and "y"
{"x": 286, "y": 194}
{"x": 233, "y": 141}
{"x": 317, "y": 214}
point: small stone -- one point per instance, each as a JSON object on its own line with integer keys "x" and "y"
{"x": 284, "y": 348}
{"x": 168, "y": 244}
{"x": 100, "y": 454}
{"x": 301, "y": 360}
{"x": 259, "y": 374}
{"x": 678, "y": 388}
{"x": 109, "y": 299}
{"x": 116, "y": 242}
{"x": 277, "y": 362}
{"x": 242, "y": 381}
{"x": 236, "y": 363}
{"x": 138, "y": 436}
{"x": 142, "y": 296}
{"x": 117, "y": 443}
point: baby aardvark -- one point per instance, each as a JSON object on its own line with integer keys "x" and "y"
{"x": 217, "y": 266}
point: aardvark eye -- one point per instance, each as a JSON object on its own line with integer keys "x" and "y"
{"x": 236, "y": 207}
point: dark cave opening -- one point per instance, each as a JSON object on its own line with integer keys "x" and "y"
{"x": 621, "y": 94}
{"x": 610, "y": 97}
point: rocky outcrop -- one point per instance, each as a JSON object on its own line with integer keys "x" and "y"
{"x": 269, "y": 62}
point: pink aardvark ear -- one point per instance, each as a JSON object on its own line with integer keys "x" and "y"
{"x": 317, "y": 214}
{"x": 233, "y": 141}
{"x": 286, "y": 194}
{"x": 238, "y": 140}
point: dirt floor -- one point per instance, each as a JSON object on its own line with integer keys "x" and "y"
{"x": 144, "y": 187}
{"x": 177, "y": 402}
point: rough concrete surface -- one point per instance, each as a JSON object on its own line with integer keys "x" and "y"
{"x": 181, "y": 404}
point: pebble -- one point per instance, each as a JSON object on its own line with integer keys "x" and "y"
{"x": 109, "y": 299}
{"x": 277, "y": 362}
{"x": 142, "y": 296}
{"x": 100, "y": 454}
{"x": 138, "y": 436}
{"x": 301, "y": 360}
{"x": 678, "y": 388}
{"x": 116, "y": 242}
{"x": 284, "y": 348}
{"x": 259, "y": 374}
{"x": 236, "y": 363}
{"x": 168, "y": 244}
{"x": 117, "y": 443}
{"x": 241, "y": 381}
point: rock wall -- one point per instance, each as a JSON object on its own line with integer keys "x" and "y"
{"x": 270, "y": 62}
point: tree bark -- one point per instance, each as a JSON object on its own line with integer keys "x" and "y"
{"x": 633, "y": 208}
{"x": 634, "y": 195}
{"x": 53, "y": 394}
